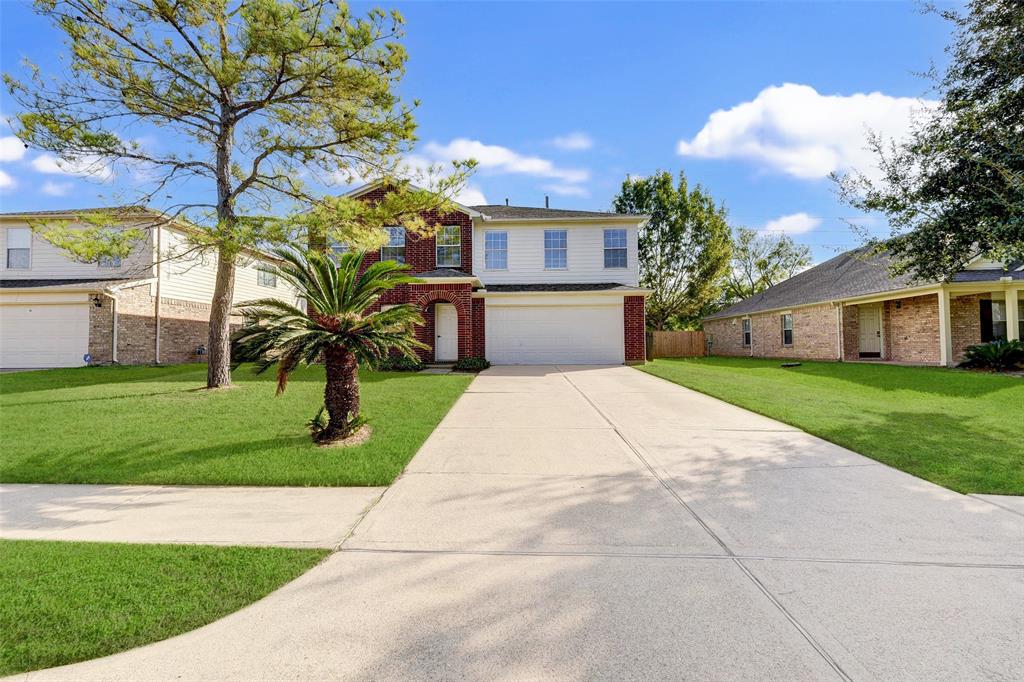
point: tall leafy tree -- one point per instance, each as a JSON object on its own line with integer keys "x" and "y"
{"x": 760, "y": 261}
{"x": 684, "y": 247}
{"x": 339, "y": 328}
{"x": 955, "y": 187}
{"x": 257, "y": 103}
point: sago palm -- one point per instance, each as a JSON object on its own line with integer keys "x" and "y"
{"x": 337, "y": 328}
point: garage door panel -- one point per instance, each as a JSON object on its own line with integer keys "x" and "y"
{"x": 523, "y": 335}
{"x": 43, "y": 335}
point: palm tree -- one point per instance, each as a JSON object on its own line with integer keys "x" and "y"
{"x": 337, "y": 328}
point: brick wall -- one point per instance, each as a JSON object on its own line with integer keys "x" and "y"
{"x": 814, "y": 335}
{"x": 851, "y": 332}
{"x": 726, "y": 336}
{"x": 479, "y": 327}
{"x": 634, "y": 329}
{"x": 965, "y": 323}
{"x": 911, "y": 329}
{"x": 425, "y": 295}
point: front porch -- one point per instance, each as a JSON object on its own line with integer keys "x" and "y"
{"x": 933, "y": 327}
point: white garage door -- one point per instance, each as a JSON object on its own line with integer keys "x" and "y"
{"x": 43, "y": 335}
{"x": 567, "y": 335}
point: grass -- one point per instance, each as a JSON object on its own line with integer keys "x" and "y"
{"x": 154, "y": 425}
{"x": 962, "y": 430}
{"x": 62, "y": 602}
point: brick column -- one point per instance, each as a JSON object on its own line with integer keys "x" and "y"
{"x": 634, "y": 329}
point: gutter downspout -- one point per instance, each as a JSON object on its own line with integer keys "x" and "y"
{"x": 839, "y": 330}
{"x": 156, "y": 302}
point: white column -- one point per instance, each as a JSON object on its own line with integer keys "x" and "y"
{"x": 1012, "y": 314}
{"x": 945, "y": 330}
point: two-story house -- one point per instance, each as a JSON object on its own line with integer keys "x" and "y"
{"x": 521, "y": 285}
{"x": 151, "y": 306}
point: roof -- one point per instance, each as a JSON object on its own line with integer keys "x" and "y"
{"x": 443, "y": 272}
{"x": 556, "y": 286}
{"x": 73, "y": 284}
{"x": 502, "y": 212}
{"x": 859, "y": 272}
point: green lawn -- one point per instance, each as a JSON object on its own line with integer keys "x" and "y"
{"x": 155, "y": 425}
{"x": 962, "y": 430}
{"x": 62, "y": 602}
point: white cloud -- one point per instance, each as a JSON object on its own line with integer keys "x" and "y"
{"x": 6, "y": 181}
{"x": 471, "y": 196}
{"x": 795, "y": 223}
{"x": 794, "y": 129}
{"x": 11, "y": 148}
{"x": 498, "y": 159}
{"x": 568, "y": 190}
{"x": 573, "y": 142}
{"x": 55, "y": 189}
{"x": 86, "y": 166}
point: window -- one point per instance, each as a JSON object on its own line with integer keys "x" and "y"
{"x": 266, "y": 277}
{"x": 556, "y": 247}
{"x": 787, "y": 330}
{"x": 19, "y": 248}
{"x": 746, "y": 332}
{"x": 615, "y": 248}
{"x": 449, "y": 246}
{"x": 395, "y": 249}
{"x": 496, "y": 250}
{"x": 993, "y": 320}
{"x": 337, "y": 251}
{"x": 109, "y": 261}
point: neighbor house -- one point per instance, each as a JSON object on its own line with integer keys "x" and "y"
{"x": 852, "y": 308}
{"x": 515, "y": 285}
{"x": 150, "y": 306}
{"x": 522, "y": 285}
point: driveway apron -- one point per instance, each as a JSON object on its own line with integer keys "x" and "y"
{"x": 600, "y": 523}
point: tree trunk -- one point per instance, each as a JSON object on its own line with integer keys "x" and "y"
{"x": 341, "y": 395}
{"x": 218, "y": 367}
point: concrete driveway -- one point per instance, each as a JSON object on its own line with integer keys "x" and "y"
{"x": 600, "y": 523}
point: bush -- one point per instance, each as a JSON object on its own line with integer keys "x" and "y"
{"x": 999, "y": 356}
{"x": 399, "y": 363}
{"x": 472, "y": 364}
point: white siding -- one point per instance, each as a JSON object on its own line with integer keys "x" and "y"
{"x": 49, "y": 262}
{"x": 526, "y": 254}
{"x": 192, "y": 277}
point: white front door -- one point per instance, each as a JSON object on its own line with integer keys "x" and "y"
{"x": 870, "y": 324}
{"x": 446, "y": 333}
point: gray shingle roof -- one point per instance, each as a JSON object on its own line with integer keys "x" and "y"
{"x": 502, "y": 212}
{"x": 116, "y": 210}
{"x": 92, "y": 284}
{"x": 855, "y": 273}
{"x": 582, "y": 286}
{"x": 442, "y": 272}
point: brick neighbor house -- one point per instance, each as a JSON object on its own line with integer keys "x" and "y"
{"x": 513, "y": 284}
{"x": 852, "y": 308}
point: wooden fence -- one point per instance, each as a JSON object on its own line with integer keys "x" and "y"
{"x": 677, "y": 344}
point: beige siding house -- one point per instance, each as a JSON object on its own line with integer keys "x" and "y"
{"x": 852, "y": 308}
{"x": 151, "y": 306}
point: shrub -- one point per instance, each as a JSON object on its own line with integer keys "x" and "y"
{"x": 999, "y": 356}
{"x": 472, "y": 364}
{"x": 399, "y": 363}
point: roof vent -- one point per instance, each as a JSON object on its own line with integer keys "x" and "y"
{"x": 506, "y": 201}
{"x": 547, "y": 203}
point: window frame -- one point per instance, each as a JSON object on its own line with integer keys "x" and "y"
{"x": 554, "y": 250}
{"x": 746, "y": 332}
{"x": 455, "y": 247}
{"x": 616, "y": 250}
{"x": 492, "y": 250}
{"x": 783, "y": 319}
{"x": 266, "y": 277}
{"x": 393, "y": 231}
{"x": 8, "y": 248}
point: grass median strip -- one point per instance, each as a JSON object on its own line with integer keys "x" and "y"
{"x": 959, "y": 429}
{"x": 62, "y": 602}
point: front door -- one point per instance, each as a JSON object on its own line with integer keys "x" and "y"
{"x": 446, "y": 333}
{"x": 870, "y": 323}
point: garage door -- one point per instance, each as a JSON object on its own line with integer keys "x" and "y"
{"x": 567, "y": 335}
{"x": 43, "y": 335}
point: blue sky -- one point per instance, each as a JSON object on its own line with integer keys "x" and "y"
{"x": 565, "y": 99}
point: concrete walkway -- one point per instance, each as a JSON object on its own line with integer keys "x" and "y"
{"x": 599, "y": 523}
{"x": 287, "y": 517}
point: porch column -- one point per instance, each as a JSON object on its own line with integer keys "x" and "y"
{"x": 945, "y": 330}
{"x": 1012, "y": 314}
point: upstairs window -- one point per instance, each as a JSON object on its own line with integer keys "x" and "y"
{"x": 395, "y": 248}
{"x": 556, "y": 250}
{"x": 787, "y": 330}
{"x": 746, "y": 332}
{"x": 265, "y": 277}
{"x": 19, "y": 248}
{"x": 496, "y": 250}
{"x": 109, "y": 261}
{"x": 615, "y": 248}
{"x": 449, "y": 246}
{"x": 337, "y": 251}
